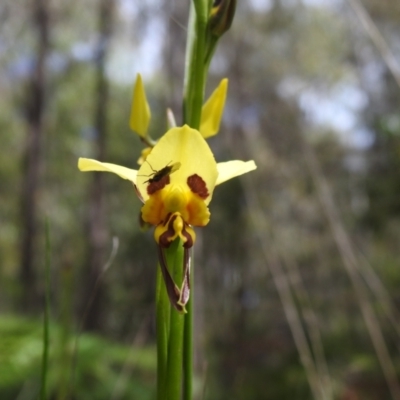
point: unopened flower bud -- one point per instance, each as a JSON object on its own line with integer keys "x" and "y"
{"x": 221, "y": 16}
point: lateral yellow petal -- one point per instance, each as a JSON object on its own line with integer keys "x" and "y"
{"x": 140, "y": 112}
{"x": 231, "y": 169}
{"x": 213, "y": 109}
{"x": 87, "y": 164}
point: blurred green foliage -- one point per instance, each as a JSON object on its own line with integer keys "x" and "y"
{"x": 87, "y": 367}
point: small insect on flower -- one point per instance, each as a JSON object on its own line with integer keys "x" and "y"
{"x": 156, "y": 176}
{"x": 159, "y": 179}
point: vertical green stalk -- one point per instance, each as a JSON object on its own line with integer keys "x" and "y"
{"x": 67, "y": 361}
{"x": 195, "y": 63}
{"x": 162, "y": 320}
{"x": 180, "y": 336}
{"x": 45, "y": 356}
{"x": 173, "y": 385}
{"x": 194, "y": 85}
{"x": 188, "y": 343}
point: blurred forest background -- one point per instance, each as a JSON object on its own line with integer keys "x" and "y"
{"x": 297, "y": 275}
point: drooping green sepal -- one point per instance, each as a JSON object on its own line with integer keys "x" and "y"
{"x": 178, "y": 296}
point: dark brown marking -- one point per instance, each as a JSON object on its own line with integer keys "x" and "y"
{"x": 165, "y": 238}
{"x": 198, "y": 186}
{"x": 156, "y": 185}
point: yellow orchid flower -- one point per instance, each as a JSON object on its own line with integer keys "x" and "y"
{"x": 211, "y": 114}
{"x": 176, "y": 184}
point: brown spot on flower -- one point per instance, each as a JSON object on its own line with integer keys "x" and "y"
{"x": 167, "y": 237}
{"x": 198, "y": 186}
{"x": 189, "y": 240}
{"x": 156, "y": 185}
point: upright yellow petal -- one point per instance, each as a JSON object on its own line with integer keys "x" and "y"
{"x": 87, "y": 164}
{"x": 140, "y": 112}
{"x": 213, "y": 109}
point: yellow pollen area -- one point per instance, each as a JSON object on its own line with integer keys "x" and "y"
{"x": 175, "y": 199}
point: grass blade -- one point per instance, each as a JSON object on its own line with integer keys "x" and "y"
{"x": 45, "y": 356}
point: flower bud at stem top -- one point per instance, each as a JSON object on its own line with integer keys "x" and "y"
{"x": 221, "y": 16}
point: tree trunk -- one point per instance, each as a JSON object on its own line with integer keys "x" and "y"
{"x": 95, "y": 290}
{"x": 32, "y": 158}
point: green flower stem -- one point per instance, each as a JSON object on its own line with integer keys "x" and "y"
{"x": 162, "y": 320}
{"x": 194, "y": 85}
{"x": 173, "y": 384}
{"x": 212, "y": 44}
{"x": 188, "y": 344}
{"x": 195, "y": 66}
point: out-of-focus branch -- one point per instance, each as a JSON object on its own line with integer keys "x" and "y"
{"x": 350, "y": 263}
{"x": 377, "y": 38}
{"x": 283, "y": 287}
{"x": 311, "y": 320}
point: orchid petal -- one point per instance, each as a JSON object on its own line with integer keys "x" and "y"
{"x": 213, "y": 109}
{"x": 231, "y": 169}
{"x": 140, "y": 112}
{"x": 86, "y": 164}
